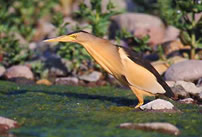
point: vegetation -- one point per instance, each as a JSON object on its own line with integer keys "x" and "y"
{"x": 98, "y": 21}
{"x": 137, "y": 44}
{"x": 182, "y": 14}
{"x": 19, "y": 18}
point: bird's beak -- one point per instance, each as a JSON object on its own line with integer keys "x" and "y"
{"x": 65, "y": 38}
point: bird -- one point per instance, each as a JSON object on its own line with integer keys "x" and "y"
{"x": 126, "y": 66}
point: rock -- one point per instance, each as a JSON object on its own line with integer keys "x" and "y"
{"x": 44, "y": 29}
{"x": 180, "y": 92}
{"x": 19, "y": 71}
{"x": 187, "y": 101}
{"x": 154, "y": 126}
{"x": 55, "y": 64}
{"x": 6, "y": 124}
{"x": 44, "y": 82}
{"x": 183, "y": 89}
{"x": 32, "y": 46}
{"x": 170, "y": 83}
{"x": 189, "y": 70}
{"x": 188, "y": 87}
{"x": 67, "y": 81}
{"x": 199, "y": 83}
{"x": 140, "y": 25}
{"x": 66, "y": 7}
{"x": 160, "y": 66}
{"x": 158, "y": 104}
{"x": 2, "y": 70}
{"x": 91, "y": 77}
{"x": 171, "y": 47}
{"x": 199, "y": 97}
{"x": 20, "y": 38}
{"x": 171, "y": 34}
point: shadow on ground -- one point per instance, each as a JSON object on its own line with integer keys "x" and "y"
{"x": 120, "y": 101}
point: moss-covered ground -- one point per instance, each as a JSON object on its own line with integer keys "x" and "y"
{"x": 65, "y": 111}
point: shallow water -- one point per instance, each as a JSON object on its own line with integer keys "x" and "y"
{"x": 61, "y": 111}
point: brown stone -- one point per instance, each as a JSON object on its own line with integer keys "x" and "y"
{"x": 172, "y": 46}
{"x": 44, "y": 82}
{"x": 19, "y": 71}
{"x": 160, "y": 66}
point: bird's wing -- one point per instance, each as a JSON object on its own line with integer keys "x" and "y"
{"x": 141, "y": 74}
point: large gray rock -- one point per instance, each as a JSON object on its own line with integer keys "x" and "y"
{"x": 140, "y": 25}
{"x": 189, "y": 70}
{"x": 2, "y": 70}
{"x": 154, "y": 126}
{"x": 19, "y": 71}
{"x": 92, "y": 77}
{"x": 158, "y": 104}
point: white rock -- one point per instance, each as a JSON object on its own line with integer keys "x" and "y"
{"x": 189, "y": 87}
{"x": 157, "y": 104}
{"x": 19, "y": 71}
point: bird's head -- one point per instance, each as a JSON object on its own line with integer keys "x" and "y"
{"x": 77, "y": 37}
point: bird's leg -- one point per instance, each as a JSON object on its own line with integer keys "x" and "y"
{"x": 139, "y": 96}
{"x": 141, "y": 101}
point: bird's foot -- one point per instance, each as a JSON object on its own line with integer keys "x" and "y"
{"x": 138, "y": 105}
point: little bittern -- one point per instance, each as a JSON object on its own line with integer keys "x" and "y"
{"x": 122, "y": 63}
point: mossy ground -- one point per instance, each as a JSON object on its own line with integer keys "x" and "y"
{"x": 61, "y": 111}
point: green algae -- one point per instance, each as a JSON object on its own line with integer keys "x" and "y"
{"x": 61, "y": 111}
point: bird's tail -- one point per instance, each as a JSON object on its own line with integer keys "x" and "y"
{"x": 169, "y": 93}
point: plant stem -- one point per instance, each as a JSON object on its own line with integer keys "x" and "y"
{"x": 193, "y": 43}
{"x": 193, "y": 38}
